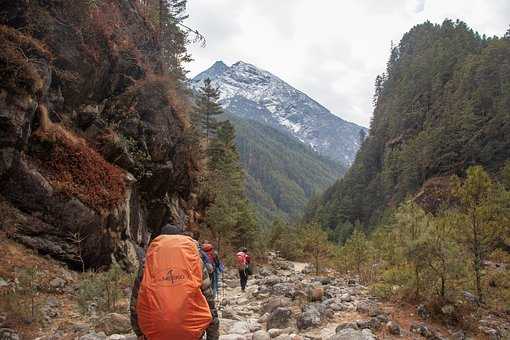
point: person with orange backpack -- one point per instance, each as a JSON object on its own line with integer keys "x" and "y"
{"x": 243, "y": 263}
{"x": 172, "y": 296}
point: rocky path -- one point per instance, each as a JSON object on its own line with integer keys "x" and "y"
{"x": 283, "y": 302}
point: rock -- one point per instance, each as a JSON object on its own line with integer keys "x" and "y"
{"x": 263, "y": 318}
{"x": 284, "y": 289}
{"x": 353, "y": 334}
{"x": 423, "y": 312}
{"x": 94, "y": 336}
{"x": 244, "y": 327}
{"x": 275, "y": 302}
{"x": 345, "y": 325}
{"x": 373, "y": 324}
{"x": 459, "y": 335}
{"x": 471, "y": 298}
{"x": 57, "y": 283}
{"x": 122, "y": 337}
{"x": 279, "y": 318}
{"x": 232, "y": 337}
{"x": 393, "y": 328}
{"x": 229, "y": 313}
{"x": 422, "y": 330}
{"x": 308, "y": 320}
{"x": 114, "y": 323}
{"x": 448, "y": 309}
{"x": 3, "y": 283}
{"x": 261, "y": 335}
{"x": 346, "y": 297}
{"x": 8, "y": 334}
{"x": 363, "y": 308}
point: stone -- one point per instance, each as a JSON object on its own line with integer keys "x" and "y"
{"x": 423, "y": 312}
{"x": 471, "y": 298}
{"x": 345, "y": 325}
{"x": 459, "y": 335}
{"x": 284, "y": 289}
{"x": 93, "y": 336}
{"x": 422, "y": 330}
{"x": 393, "y": 328}
{"x": 353, "y": 334}
{"x": 275, "y": 302}
{"x": 57, "y": 283}
{"x": 372, "y": 323}
{"x": 245, "y": 327}
{"x": 279, "y": 318}
{"x": 114, "y": 323}
{"x": 261, "y": 335}
{"x": 346, "y": 297}
{"x": 363, "y": 308}
{"x": 308, "y": 320}
{"x": 8, "y": 334}
{"x": 232, "y": 337}
{"x": 448, "y": 309}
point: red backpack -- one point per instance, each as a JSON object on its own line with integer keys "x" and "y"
{"x": 241, "y": 260}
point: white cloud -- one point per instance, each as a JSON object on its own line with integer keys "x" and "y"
{"x": 332, "y": 50}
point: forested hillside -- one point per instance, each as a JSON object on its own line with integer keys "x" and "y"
{"x": 282, "y": 172}
{"x": 442, "y": 105}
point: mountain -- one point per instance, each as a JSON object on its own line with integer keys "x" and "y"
{"x": 249, "y": 92}
{"x": 442, "y": 105}
{"x": 282, "y": 173}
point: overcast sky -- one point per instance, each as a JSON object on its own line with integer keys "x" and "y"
{"x": 330, "y": 49}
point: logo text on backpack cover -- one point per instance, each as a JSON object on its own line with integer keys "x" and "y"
{"x": 174, "y": 277}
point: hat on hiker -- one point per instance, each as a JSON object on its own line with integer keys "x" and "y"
{"x": 170, "y": 229}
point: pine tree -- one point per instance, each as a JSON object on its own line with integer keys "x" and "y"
{"x": 315, "y": 244}
{"x": 208, "y": 108}
{"x": 481, "y": 219}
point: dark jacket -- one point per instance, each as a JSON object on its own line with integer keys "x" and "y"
{"x": 212, "y": 331}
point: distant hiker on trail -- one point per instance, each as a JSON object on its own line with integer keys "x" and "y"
{"x": 217, "y": 268}
{"x": 243, "y": 264}
{"x": 172, "y": 296}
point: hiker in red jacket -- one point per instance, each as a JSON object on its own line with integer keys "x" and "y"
{"x": 243, "y": 263}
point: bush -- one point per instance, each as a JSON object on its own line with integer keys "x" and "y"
{"x": 20, "y": 302}
{"x": 103, "y": 289}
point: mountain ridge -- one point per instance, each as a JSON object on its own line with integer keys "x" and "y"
{"x": 250, "y": 92}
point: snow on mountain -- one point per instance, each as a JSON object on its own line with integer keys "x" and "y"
{"x": 253, "y": 93}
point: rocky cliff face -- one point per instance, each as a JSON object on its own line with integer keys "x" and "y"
{"x": 109, "y": 163}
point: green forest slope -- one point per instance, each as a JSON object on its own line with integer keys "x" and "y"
{"x": 442, "y": 105}
{"x": 282, "y": 173}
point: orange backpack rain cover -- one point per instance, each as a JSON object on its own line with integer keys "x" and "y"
{"x": 170, "y": 302}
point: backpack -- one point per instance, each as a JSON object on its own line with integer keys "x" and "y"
{"x": 241, "y": 260}
{"x": 209, "y": 256}
{"x": 170, "y": 302}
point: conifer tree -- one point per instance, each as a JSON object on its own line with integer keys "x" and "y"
{"x": 208, "y": 108}
{"x": 480, "y": 220}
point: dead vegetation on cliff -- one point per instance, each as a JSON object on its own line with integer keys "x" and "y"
{"x": 18, "y": 62}
{"x": 75, "y": 169}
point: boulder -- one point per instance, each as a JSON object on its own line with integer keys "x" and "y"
{"x": 353, "y": 334}
{"x": 275, "y": 302}
{"x": 279, "y": 318}
{"x": 261, "y": 335}
{"x": 8, "y": 334}
{"x": 393, "y": 328}
{"x": 308, "y": 319}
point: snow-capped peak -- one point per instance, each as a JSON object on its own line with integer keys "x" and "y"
{"x": 253, "y": 93}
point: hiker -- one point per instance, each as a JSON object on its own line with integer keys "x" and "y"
{"x": 243, "y": 262}
{"x": 172, "y": 296}
{"x": 217, "y": 268}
